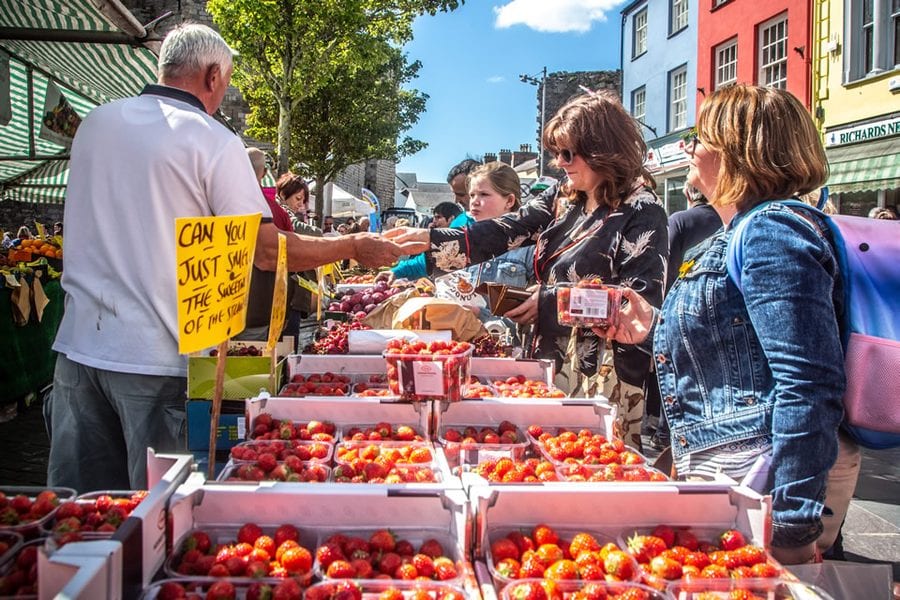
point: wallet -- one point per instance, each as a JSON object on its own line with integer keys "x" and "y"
{"x": 502, "y": 298}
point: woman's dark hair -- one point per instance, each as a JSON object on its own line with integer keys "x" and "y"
{"x": 597, "y": 128}
{"x": 289, "y": 184}
{"x": 448, "y": 210}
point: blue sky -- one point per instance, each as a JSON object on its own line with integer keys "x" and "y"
{"x": 472, "y": 59}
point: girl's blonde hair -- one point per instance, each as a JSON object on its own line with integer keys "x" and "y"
{"x": 767, "y": 142}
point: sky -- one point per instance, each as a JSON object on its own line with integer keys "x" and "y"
{"x": 471, "y": 62}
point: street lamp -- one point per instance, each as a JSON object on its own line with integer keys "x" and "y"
{"x": 542, "y": 82}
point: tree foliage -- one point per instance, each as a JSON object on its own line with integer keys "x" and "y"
{"x": 324, "y": 78}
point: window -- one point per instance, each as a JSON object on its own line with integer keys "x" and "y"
{"x": 678, "y": 15}
{"x": 726, "y": 63}
{"x": 639, "y": 45}
{"x": 678, "y": 98}
{"x": 639, "y": 103}
{"x": 773, "y": 53}
{"x": 718, "y": 3}
{"x": 872, "y": 37}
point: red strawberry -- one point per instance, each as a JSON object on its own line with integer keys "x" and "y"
{"x": 504, "y": 548}
{"x": 562, "y": 569}
{"x": 286, "y": 532}
{"x": 406, "y": 571}
{"x": 424, "y": 565}
{"x": 619, "y": 565}
{"x": 221, "y": 590}
{"x": 583, "y": 542}
{"x": 249, "y": 533}
{"x": 383, "y": 541}
{"x": 731, "y": 539}
{"x": 260, "y": 591}
{"x": 431, "y": 547}
{"x": 444, "y": 569}
{"x": 405, "y": 548}
{"x": 544, "y": 534}
{"x": 529, "y": 590}
{"x": 296, "y": 560}
{"x": 171, "y": 591}
{"x": 389, "y": 562}
{"x": 508, "y": 568}
{"x": 666, "y": 534}
{"x": 645, "y": 547}
{"x": 198, "y": 540}
{"x": 665, "y": 568}
{"x": 686, "y": 538}
{"x": 289, "y": 589}
{"x": 340, "y": 569}
{"x": 764, "y": 570}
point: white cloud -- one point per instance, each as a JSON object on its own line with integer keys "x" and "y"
{"x": 558, "y": 16}
{"x": 496, "y": 79}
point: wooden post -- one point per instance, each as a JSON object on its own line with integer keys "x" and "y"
{"x": 216, "y": 407}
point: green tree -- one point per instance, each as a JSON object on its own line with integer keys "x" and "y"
{"x": 290, "y": 49}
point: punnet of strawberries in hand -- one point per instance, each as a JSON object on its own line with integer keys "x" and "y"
{"x": 437, "y": 370}
{"x": 252, "y": 552}
{"x": 383, "y": 553}
{"x": 544, "y": 552}
{"x": 588, "y": 303}
{"x": 668, "y": 553}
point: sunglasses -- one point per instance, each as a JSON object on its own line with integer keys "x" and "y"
{"x": 692, "y": 144}
{"x": 565, "y": 155}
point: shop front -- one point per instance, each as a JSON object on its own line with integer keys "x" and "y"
{"x": 668, "y": 162}
{"x": 864, "y": 161}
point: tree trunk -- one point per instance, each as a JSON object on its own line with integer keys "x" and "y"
{"x": 284, "y": 136}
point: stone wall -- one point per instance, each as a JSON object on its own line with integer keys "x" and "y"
{"x": 15, "y": 214}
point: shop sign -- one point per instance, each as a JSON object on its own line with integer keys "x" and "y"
{"x": 861, "y": 133}
{"x": 214, "y": 258}
{"x": 667, "y": 155}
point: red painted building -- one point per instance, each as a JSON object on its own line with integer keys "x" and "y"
{"x": 764, "y": 42}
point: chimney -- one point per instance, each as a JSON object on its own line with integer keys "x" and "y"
{"x": 525, "y": 148}
{"x": 505, "y": 156}
{"x": 489, "y": 157}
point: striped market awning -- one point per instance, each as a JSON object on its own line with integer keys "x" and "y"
{"x": 67, "y": 48}
{"x": 865, "y": 166}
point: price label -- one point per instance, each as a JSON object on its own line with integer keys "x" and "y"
{"x": 586, "y": 302}
{"x": 428, "y": 376}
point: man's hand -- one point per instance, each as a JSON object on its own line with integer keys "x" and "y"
{"x": 373, "y": 250}
{"x": 413, "y": 240}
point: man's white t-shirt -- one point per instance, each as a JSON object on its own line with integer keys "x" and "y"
{"x": 136, "y": 165}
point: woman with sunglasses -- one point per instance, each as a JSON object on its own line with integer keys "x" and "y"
{"x": 604, "y": 222}
{"x": 755, "y": 376}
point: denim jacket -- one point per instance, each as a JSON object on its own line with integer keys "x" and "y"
{"x": 768, "y": 362}
{"x": 514, "y": 268}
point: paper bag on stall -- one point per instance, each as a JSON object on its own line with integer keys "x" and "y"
{"x": 433, "y": 313}
{"x": 382, "y": 316}
{"x": 40, "y": 298}
{"x": 21, "y": 303}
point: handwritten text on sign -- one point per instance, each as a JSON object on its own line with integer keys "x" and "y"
{"x": 214, "y": 256}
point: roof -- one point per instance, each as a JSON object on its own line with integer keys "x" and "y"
{"x": 425, "y": 201}
{"x": 90, "y": 55}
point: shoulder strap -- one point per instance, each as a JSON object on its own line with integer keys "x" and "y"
{"x": 734, "y": 258}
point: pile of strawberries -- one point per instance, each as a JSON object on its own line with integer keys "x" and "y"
{"x": 382, "y": 431}
{"x": 22, "y": 509}
{"x": 505, "y": 433}
{"x": 281, "y": 449}
{"x": 288, "y": 589}
{"x": 326, "y": 384}
{"x": 383, "y": 462}
{"x": 20, "y": 578}
{"x": 291, "y": 469}
{"x": 337, "y": 339}
{"x": 477, "y": 389}
{"x": 381, "y": 554}
{"x": 519, "y": 387}
{"x": 543, "y": 554}
{"x": 346, "y": 589}
{"x": 548, "y": 589}
{"x": 101, "y": 514}
{"x": 612, "y": 472}
{"x": 454, "y": 364}
{"x": 507, "y": 470}
{"x": 267, "y": 428}
{"x": 584, "y": 446}
{"x": 253, "y": 554}
{"x": 668, "y": 553}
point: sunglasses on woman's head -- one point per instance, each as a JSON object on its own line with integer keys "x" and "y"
{"x": 692, "y": 144}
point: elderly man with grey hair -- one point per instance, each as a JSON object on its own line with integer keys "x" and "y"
{"x": 137, "y": 164}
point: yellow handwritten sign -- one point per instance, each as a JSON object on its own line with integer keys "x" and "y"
{"x": 41, "y": 230}
{"x": 279, "y": 296}
{"x": 214, "y": 256}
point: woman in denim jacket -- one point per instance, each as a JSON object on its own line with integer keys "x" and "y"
{"x": 758, "y": 373}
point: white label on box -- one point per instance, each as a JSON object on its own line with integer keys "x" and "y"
{"x": 429, "y": 378}
{"x": 586, "y": 302}
{"x": 242, "y": 428}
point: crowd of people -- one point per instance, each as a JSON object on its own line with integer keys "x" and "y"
{"x": 740, "y": 377}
